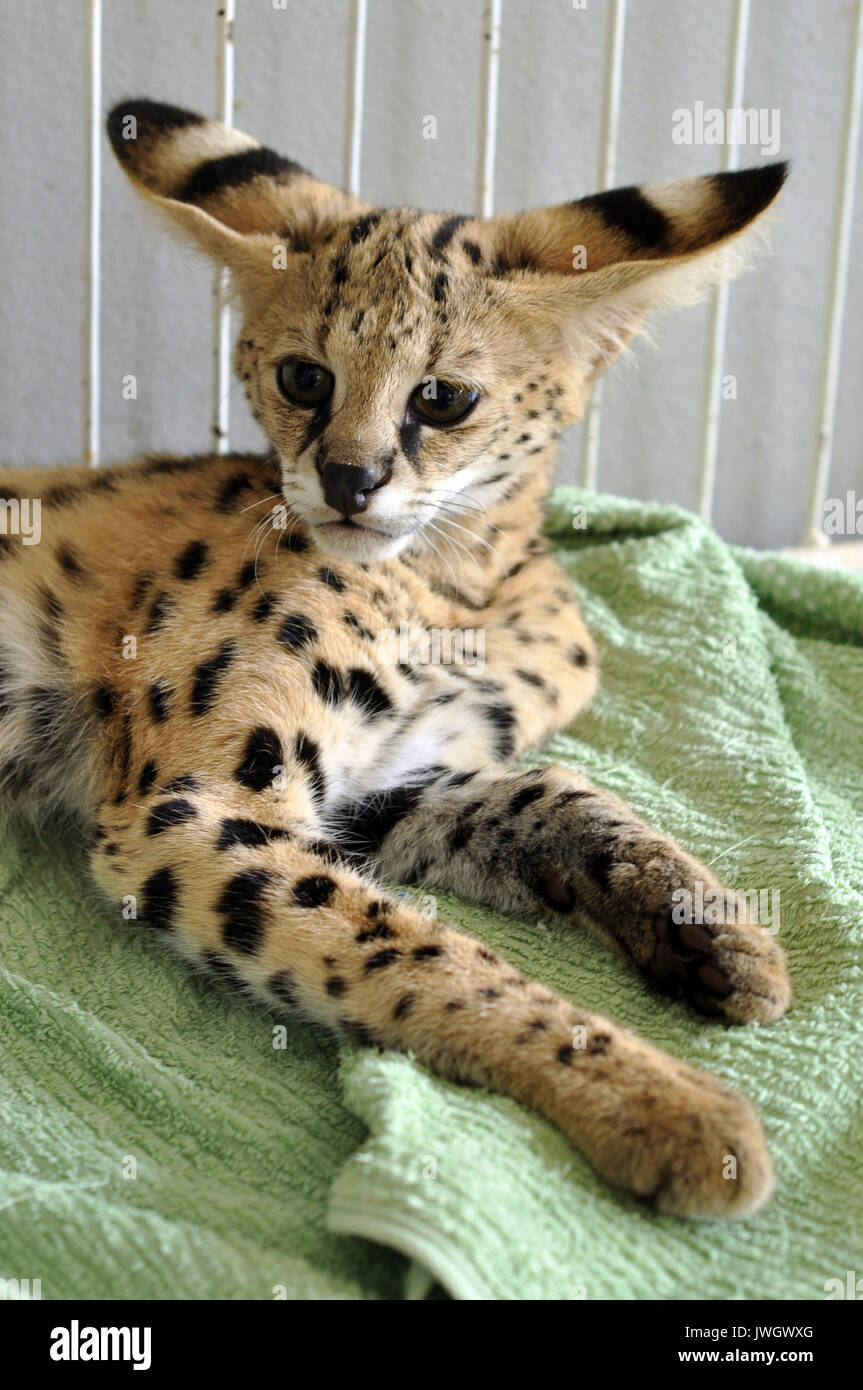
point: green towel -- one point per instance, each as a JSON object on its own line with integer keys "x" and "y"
{"x": 154, "y": 1143}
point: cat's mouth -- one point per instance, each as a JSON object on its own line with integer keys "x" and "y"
{"x": 359, "y": 541}
{"x": 347, "y": 523}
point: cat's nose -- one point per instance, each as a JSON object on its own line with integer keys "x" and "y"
{"x": 348, "y": 486}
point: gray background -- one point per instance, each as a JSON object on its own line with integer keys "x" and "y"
{"x": 425, "y": 58}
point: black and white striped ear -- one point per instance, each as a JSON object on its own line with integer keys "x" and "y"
{"x": 601, "y": 263}
{"x": 232, "y": 194}
{"x": 655, "y": 222}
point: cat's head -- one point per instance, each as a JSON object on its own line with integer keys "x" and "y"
{"x": 414, "y": 367}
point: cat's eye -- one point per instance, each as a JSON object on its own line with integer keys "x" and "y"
{"x": 304, "y": 383}
{"x": 443, "y": 402}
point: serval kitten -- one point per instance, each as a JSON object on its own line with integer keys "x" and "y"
{"x": 193, "y": 656}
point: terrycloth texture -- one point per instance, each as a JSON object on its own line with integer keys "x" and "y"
{"x": 731, "y": 715}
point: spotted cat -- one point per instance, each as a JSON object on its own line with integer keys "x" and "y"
{"x": 197, "y": 656}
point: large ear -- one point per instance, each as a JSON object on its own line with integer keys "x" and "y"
{"x": 232, "y": 195}
{"x": 599, "y": 264}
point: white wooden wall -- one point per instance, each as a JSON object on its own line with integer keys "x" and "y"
{"x": 424, "y": 59}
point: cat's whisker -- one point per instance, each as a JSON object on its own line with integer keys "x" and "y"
{"x": 449, "y": 521}
{"x": 260, "y": 502}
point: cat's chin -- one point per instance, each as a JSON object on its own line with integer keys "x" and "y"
{"x": 357, "y": 543}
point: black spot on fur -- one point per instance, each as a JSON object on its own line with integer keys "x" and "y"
{"x": 52, "y": 606}
{"x": 314, "y": 891}
{"x": 295, "y": 541}
{"x": 379, "y": 932}
{"x": 318, "y": 422}
{"x": 627, "y": 210}
{"x": 381, "y": 959}
{"x": 461, "y": 835}
{"x": 363, "y": 825}
{"x": 234, "y": 170}
{"x": 185, "y": 783}
{"x": 222, "y": 969}
{"x": 308, "y": 753}
{"x": 246, "y": 576}
{"x": 159, "y": 897}
{"x": 168, "y": 814}
{"x": 264, "y": 606}
{"x": 147, "y": 777}
{"x": 427, "y": 952}
{"x": 151, "y": 117}
{"x": 461, "y": 779}
{"x": 327, "y": 683}
{"x": 104, "y": 699}
{"x": 502, "y": 720}
{"x": 160, "y": 609}
{"x": 208, "y": 676}
{"x": 70, "y": 563}
{"x": 529, "y": 677}
{"x": 577, "y": 794}
{"x": 743, "y": 193}
{"x": 191, "y": 561}
{"x": 335, "y": 986}
{"x": 361, "y": 228}
{"x": 409, "y": 438}
{"x": 444, "y": 235}
{"x": 332, "y": 580}
{"x": 241, "y": 904}
{"x": 225, "y": 600}
{"x": 284, "y": 987}
{"x": 359, "y": 1033}
{"x": 239, "y": 831}
{"x": 230, "y": 491}
{"x": 353, "y": 621}
{"x": 297, "y": 631}
{"x": 262, "y": 755}
{"x": 404, "y": 1005}
{"x": 159, "y": 694}
{"x": 139, "y": 589}
{"x": 365, "y": 691}
{"x": 598, "y": 860}
{"x": 525, "y": 797}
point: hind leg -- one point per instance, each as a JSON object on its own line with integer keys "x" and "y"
{"x": 527, "y": 842}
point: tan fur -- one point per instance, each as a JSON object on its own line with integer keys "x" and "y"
{"x": 194, "y": 657}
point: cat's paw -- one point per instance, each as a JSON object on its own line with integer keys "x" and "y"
{"x": 733, "y": 969}
{"x": 681, "y": 1140}
{"x": 638, "y": 888}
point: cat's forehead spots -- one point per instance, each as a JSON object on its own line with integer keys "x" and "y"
{"x": 398, "y": 276}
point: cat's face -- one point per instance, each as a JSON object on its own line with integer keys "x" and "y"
{"x": 399, "y": 382}
{"x": 411, "y": 369}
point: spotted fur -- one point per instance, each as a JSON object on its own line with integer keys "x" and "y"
{"x": 193, "y": 658}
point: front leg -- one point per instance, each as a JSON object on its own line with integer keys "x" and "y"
{"x": 257, "y": 902}
{"x": 527, "y": 842}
